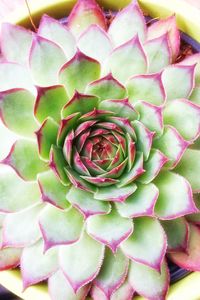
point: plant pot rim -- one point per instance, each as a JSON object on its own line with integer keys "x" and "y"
{"x": 188, "y": 21}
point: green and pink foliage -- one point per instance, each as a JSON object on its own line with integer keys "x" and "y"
{"x": 102, "y": 180}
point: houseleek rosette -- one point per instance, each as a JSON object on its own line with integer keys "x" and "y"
{"x": 106, "y": 175}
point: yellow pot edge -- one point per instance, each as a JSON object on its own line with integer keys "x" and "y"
{"x": 188, "y": 21}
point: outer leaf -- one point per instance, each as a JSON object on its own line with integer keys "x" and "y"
{"x": 183, "y": 76}
{"x": 140, "y": 203}
{"x": 170, "y": 204}
{"x": 138, "y": 247}
{"x": 189, "y": 260}
{"x": 152, "y": 89}
{"x": 10, "y": 258}
{"x": 148, "y": 282}
{"x": 94, "y": 35}
{"x": 49, "y": 102}
{"x": 177, "y": 232}
{"x": 128, "y": 22}
{"x": 78, "y": 72}
{"x": 21, "y": 229}
{"x": 116, "y": 194}
{"x": 15, "y": 193}
{"x": 23, "y": 158}
{"x": 46, "y": 58}
{"x": 193, "y": 60}
{"x": 46, "y": 136}
{"x": 15, "y": 43}
{"x": 83, "y": 14}
{"x": 195, "y": 96}
{"x": 52, "y": 190}
{"x": 151, "y": 116}
{"x": 52, "y": 30}
{"x": 16, "y": 110}
{"x": 169, "y": 26}
{"x": 172, "y": 145}
{"x": 158, "y": 53}
{"x": 182, "y": 109}
{"x": 113, "y": 272}
{"x": 109, "y": 229}
{"x": 59, "y": 288}
{"x": 106, "y": 88}
{"x": 44, "y": 264}
{"x": 15, "y": 76}
{"x": 129, "y": 55}
{"x": 189, "y": 167}
{"x": 60, "y": 227}
{"x": 85, "y": 202}
{"x": 86, "y": 256}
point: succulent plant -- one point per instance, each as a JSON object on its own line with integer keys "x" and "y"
{"x": 106, "y": 177}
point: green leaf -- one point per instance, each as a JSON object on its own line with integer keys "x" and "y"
{"x": 195, "y": 96}
{"x": 175, "y": 196}
{"x": 16, "y": 108}
{"x": 49, "y": 102}
{"x": 147, "y": 244}
{"x": 193, "y": 59}
{"x": 52, "y": 190}
{"x": 85, "y": 202}
{"x": 60, "y": 227}
{"x": 78, "y": 72}
{"x": 46, "y": 58}
{"x": 10, "y": 258}
{"x": 189, "y": 167}
{"x": 24, "y": 159}
{"x": 114, "y": 193}
{"x": 15, "y": 193}
{"x": 86, "y": 256}
{"x": 110, "y": 229}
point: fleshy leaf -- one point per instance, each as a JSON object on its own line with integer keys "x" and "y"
{"x": 114, "y": 193}
{"x": 172, "y": 145}
{"x": 21, "y": 229}
{"x": 78, "y": 181}
{"x": 43, "y": 266}
{"x": 140, "y": 203}
{"x": 113, "y": 272}
{"x": 195, "y": 96}
{"x": 158, "y": 53}
{"x": 184, "y": 116}
{"x": 144, "y": 138}
{"x": 65, "y": 127}
{"x": 59, "y": 288}
{"x": 138, "y": 247}
{"x": 191, "y": 60}
{"x": 15, "y": 43}
{"x": 15, "y": 76}
{"x": 183, "y": 76}
{"x": 16, "y": 111}
{"x": 106, "y": 88}
{"x": 60, "y": 227}
{"x": 148, "y": 282}
{"x": 23, "y": 158}
{"x": 121, "y": 108}
{"x": 152, "y": 89}
{"x": 177, "y": 232}
{"x": 129, "y": 55}
{"x": 127, "y": 23}
{"x": 83, "y": 14}
{"x": 190, "y": 260}
{"x": 15, "y": 193}
{"x": 79, "y": 103}
{"x": 169, "y": 26}
{"x": 86, "y": 255}
{"x": 46, "y": 136}
{"x": 94, "y": 35}
{"x": 195, "y": 218}
{"x": 109, "y": 229}
{"x": 52, "y": 190}
{"x": 78, "y": 72}
{"x": 46, "y": 58}
{"x": 52, "y": 30}
{"x": 49, "y": 102}
{"x": 10, "y": 258}
{"x": 175, "y": 196}
{"x": 153, "y": 166}
{"x": 189, "y": 167}
{"x": 84, "y": 201}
